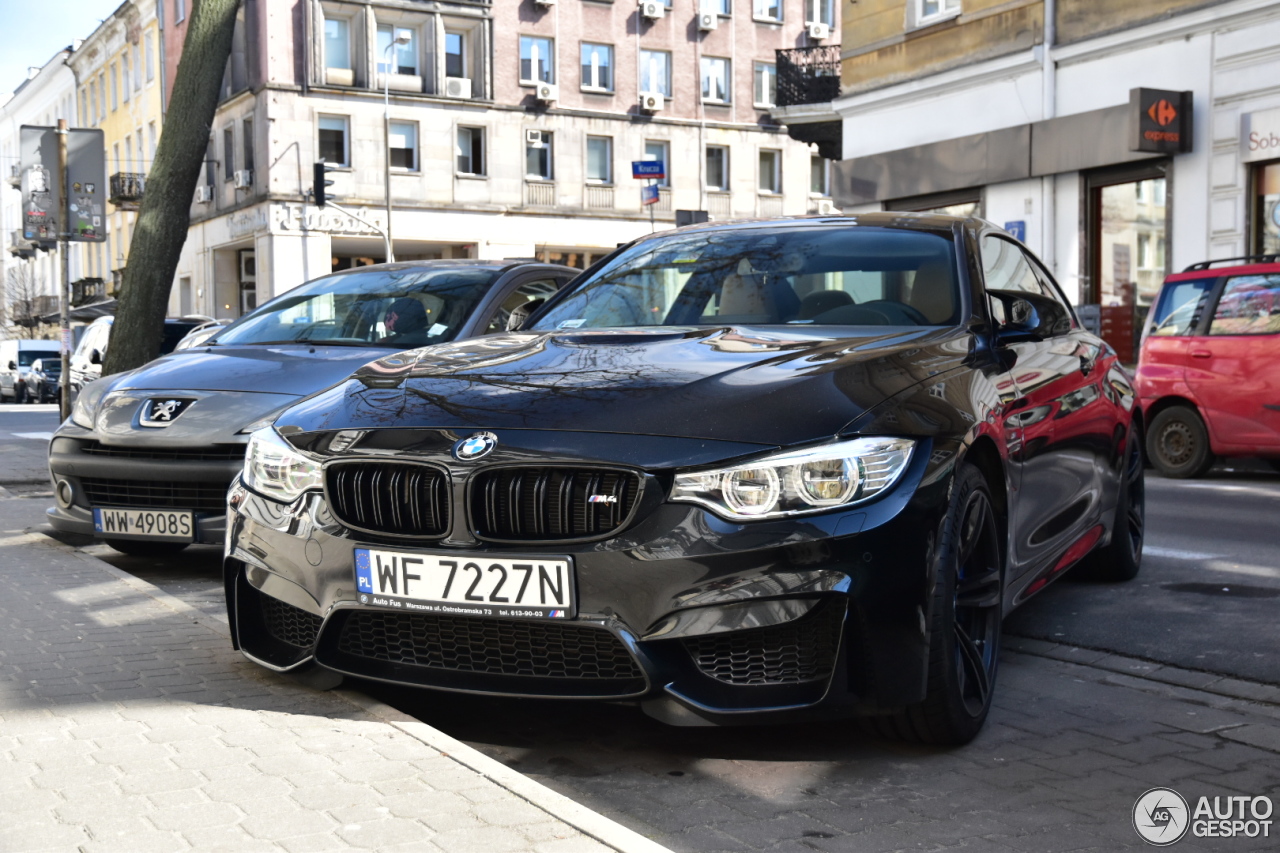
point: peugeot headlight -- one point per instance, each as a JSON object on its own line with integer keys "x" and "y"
{"x": 82, "y": 409}
{"x": 274, "y": 469}
{"x": 798, "y": 482}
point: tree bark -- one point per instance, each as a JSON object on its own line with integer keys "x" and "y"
{"x": 162, "y": 223}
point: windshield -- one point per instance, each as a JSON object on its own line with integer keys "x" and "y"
{"x": 174, "y": 332}
{"x": 27, "y": 356}
{"x": 850, "y": 276}
{"x": 1179, "y": 308}
{"x": 402, "y": 308}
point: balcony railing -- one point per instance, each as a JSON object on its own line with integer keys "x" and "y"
{"x": 539, "y": 194}
{"x": 719, "y": 206}
{"x": 127, "y": 189}
{"x": 600, "y": 198}
{"x": 808, "y": 75}
{"x": 88, "y": 290}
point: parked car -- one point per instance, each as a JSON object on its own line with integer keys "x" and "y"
{"x": 202, "y": 333}
{"x": 16, "y": 358}
{"x": 86, "y": 359}
{"x": 1209, "y": 370}
{"x": 738, "y": 472}
{"x": 146, "y": 457}
{"x": 41, "y": 380}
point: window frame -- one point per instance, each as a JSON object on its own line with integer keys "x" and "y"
{"x": 775, "y": 187}
{"x": 228, "y": 152}
{"x": 607, "y": 180}
{"x": 550, "y": 62}
{"x": 665, "y": 91}
{"x": 414, "y": 151}
{"x": 179, "y": 11}
{"x": 820, "y": 12}
{"x": 473, "y": 130}
{"x": 548, "y": 144}
{"x": 608, "y": 68}
{"x": 464, "y": 53}
{"x": 825, "y": 192}
{"x": 763, "y": 16}
{"x": 665, "y": 181}
{"x": 1218, "y": 293}
{"x": 727, "y": 65}
{"x": 723, "y": 153}
{"x": 947, "y": 9}
{"x": 347, "y": 23}
{"x": 346, "y": 139}
{"x": 771, "y": 70}
{"x": 723, "y": 8}
{"x": 394, "y": 28}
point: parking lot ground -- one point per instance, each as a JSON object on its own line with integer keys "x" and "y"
{"x": 127, "y": 723}
{"x": 1079, "y": 729}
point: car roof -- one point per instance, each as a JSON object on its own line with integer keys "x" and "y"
{"x": 882, "y": 219}
{"x": 1206, "y": 270}
{"x": 500, "y": 265}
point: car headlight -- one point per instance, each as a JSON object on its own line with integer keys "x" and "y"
{"x": 798, "y": 482}
{"x": 274, "y": 469}
{"x": 82, "y": 409}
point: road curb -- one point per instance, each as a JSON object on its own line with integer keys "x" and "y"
{"x": 1149, "y": 670}
{"x": 586, "y": 821}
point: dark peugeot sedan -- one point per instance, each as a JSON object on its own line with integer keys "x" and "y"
{"x": 737, "y": 473}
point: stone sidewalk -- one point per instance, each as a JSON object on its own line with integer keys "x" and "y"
{"x": 127, "y": 723}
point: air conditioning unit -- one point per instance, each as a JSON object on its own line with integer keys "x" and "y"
{"x": 708, "y": 21}
{"x": 204, "y": 194}
{"x": 548, "y": 93}
{"x": 652, "y": 9}
{"x": 652, "y": 102}
{"x": 457, "y": 87}
{"x": 533, "y": 137}
{"x": 244, "y": 179}
{"x": 826, "y": 207}
{"x": 819, "y": 31}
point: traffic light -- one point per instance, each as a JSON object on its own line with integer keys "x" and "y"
{"x": 319, "y": 182}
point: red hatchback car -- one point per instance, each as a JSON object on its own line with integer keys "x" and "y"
{"x": 1209, "y": 371}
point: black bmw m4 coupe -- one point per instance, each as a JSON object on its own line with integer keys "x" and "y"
{"x": 736, "y": 473}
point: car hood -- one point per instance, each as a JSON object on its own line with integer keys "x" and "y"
{"x": 775, "y": 386}
{"x": 295, "y": 369}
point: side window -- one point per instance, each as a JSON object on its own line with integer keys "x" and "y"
{"x": 1006, "y": 267}
{"x": 1249, "y": 305}
{"x": 538, "y": 289}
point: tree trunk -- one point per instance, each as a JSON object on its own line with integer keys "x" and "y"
{"x": 162, "y": 224}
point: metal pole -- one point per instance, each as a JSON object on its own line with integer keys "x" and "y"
{"x": 64, "y": 234}
{"x": 386, "y": 149}
{"x": 652, "y": 205}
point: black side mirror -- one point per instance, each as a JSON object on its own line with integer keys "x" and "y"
{"x": 1028, "y": 317}
{"x": 95, "y": 357}
{"x": 521, "y": 313}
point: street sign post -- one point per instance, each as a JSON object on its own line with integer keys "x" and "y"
{"x": 652, "y": 171}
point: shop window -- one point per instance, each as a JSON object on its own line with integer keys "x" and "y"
{"x": 1266, "y": 208}
{"x": 655, "y": 72}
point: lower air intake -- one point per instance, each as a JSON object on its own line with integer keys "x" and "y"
{"x": 289, "y": 624}
{"x": 791, "y": 653}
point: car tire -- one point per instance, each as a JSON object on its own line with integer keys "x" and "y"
{"x": 964, "y": 627}
{"x": 1178, "y": 443}
{"x": 20, "y": 393}
{"x": 1121, "y": 558}
{"x": 139, "y": 548}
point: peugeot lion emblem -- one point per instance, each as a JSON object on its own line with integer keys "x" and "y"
{"x": 161, "y": 412}
{"x": 475, "y": 446}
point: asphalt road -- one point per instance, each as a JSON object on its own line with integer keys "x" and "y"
{"x": 24, "y": 435}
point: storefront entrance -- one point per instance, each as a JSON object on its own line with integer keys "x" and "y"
{"x": 1266, "y": 208}
{"x": 1127, "y": 239}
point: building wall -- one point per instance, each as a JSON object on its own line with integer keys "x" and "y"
{"x": 174, "y": 16}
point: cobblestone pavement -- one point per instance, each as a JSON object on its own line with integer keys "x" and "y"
{"x": 127, "y": 723}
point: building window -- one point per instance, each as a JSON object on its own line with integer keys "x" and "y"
{"x": 115, "y": 88}
{"x": 149, "y": 54}
{"x": 91, "y": 112}
{"x": 770, "y": 171}
{"x": 717, "y": 167}
{"x": 333, "y": 140}
{"x": 597, "y": 66}
{"x": 151, "y": 140}
{"x": 102, "y": 95}
{"x": 84, "y": 107}
{"x": 142, "y": 161}
{"x": 246, "y": 141}
{"x": 929, "y": 11}
{"x": 179, "y": 11}
{"x": 599, "y": 160}
{"x": 659, "y": 150}
{"x": 337, "y": 44}
{"x": 228, "y": 153}
{"x": 819, "y": 175}
{"x": 715, "y": 80}
{"x": 455, "y": 55}
{"x": 404, "y": 145}
{"x": 538, "y": 155}
{"x": 404, "y": 57}
{"x": 820, "y": 12}
{"x": 723, "y": 8}
{"x": 655, "y": 72}
{"x": 124, "y": 72}
{"x": 537, "y": 60}
{"x": 128, "y": 153}
{"x": 767, "y": 10}
{"x": 766, "y": 84}
{"x": 471, "y": 150}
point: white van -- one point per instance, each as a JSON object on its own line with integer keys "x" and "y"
{"x": 16, "y": 357}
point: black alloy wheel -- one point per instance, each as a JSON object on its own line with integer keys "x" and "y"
{"x": 964, "y": 629}
{"x": 1178, "y": 443}
{"x": 1121, "y": 558}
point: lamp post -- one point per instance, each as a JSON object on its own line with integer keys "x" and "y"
{"x": 402, "y": 37}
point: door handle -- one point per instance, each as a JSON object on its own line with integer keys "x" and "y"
{"x": 1201, "y": 353}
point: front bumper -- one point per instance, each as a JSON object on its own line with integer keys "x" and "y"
{"x": 698, "y": 619}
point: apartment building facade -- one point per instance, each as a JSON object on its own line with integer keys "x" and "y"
{"x": 120, "y": 78}
{"x": 30, "y": 277}
{"x": 1121, "y": 141}
{"x": 510, "y": 129}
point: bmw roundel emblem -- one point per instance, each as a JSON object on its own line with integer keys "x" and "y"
{"x": 475, "y": 446}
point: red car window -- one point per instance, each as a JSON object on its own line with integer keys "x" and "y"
{"x": 1250, "y": 305}
{"x": 1180, "y": 307}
